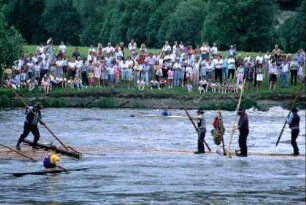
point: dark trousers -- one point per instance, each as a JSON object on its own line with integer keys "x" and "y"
{"x": 294, "y": 135}
{"x": 293, "y": 77}
{"x": 231, "y": 73}
{"x": 26, "y": 130}
{"x": 201, "y": 137}
{"x": 218, "y": 74}
{"x": 243, "y": 135}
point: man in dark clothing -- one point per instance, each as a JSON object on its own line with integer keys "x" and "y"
{"x": 202, "y": 131}
{"x": 243, "y": 126}
{"x": 294, "y": 124}
{"x": 30, "y": 125}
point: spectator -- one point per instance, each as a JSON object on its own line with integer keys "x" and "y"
{"x": 62, "y": 48}
{"x": 45, "y": 82}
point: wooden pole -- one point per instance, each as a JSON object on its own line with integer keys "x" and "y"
{"x": 196, "y": 127}
{"x": 293, "y": 103}
{"x": 36, "y": 116}
{"x": 18, "y": 152}
{"x": 228, "y": 151}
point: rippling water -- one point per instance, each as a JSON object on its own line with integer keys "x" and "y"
{"x": 150, "y": 160}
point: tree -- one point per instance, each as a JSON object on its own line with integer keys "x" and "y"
{"x": 11, "y": 43}
{"x": 247, "y": 23}
{"x": 185, "y": 23}
{"x": 25, "y": 16}
{"x": 62, "y": 21}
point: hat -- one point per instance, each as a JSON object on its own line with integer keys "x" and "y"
{"x": 200, "y": 110}
{"x": 240, "y": 110}
{"x": 38, "y": 105}
{"x": 294, "y": 110}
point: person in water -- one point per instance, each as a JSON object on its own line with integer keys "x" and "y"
{"x": 202, "y": 130}
{"x": 33, "y": 116}
{"x": 243, "y": 126}
{"x": 165, "y": 111}
{"x": 52, "y": 160}
{"x": 294, "y": 124}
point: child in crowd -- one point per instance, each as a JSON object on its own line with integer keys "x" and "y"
{"x": 45, "y": 82}
{"x": 170, "y": 78}
{"x": 32, "y": 83}
{"x": 189, "y": 87}
{"x": 154, "y": 84}
{"x": 140, "y": 84}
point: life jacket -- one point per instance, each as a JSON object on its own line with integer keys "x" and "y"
{"x": 216, "y": 123}
{"x": 47, "y": 162}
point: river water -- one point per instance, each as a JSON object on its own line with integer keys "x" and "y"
{"x": 136, "y": 158}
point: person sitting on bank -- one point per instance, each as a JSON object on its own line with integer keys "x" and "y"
{"x": 294, "y": 124}
{"x": 33, "y": 116}
{"x": 52, "y": 160}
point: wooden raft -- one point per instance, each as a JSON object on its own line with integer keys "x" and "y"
{"x": 58, "y": 150}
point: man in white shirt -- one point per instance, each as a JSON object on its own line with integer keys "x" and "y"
{"x": 62, "y": 48}
{"x": 166, "y": 48}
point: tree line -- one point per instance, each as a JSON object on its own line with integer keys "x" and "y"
{"x": 249, "y": 24}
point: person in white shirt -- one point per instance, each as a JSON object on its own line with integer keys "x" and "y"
{"x": 273, "y": 71}
{"x": 284, "y": 73}
{"x": 132, "y": 46}
{"x": 231, "y": 67}
{"x": 109, "y": 48}
{"x": 166, "y": 48}
{"x": 214, "y": 49}
{"x": 62, "y": 48}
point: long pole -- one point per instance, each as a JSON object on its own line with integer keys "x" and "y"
{"x": 18, "y": 152}
{"x": 196, "y": 127}
{"x": 36, "y": 116}
{"x": 293, "y": 103}
{"x": 228, "y": 151}
{"x": 222, "y": 134}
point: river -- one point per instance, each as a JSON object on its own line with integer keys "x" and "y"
{"x": 137, "y": 157}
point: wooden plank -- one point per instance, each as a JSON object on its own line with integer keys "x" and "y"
{"x": 47, "y": 171}
{"x": 58, "y": 150}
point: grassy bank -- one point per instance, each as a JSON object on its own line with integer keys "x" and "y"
{"x": 120, "y": 97}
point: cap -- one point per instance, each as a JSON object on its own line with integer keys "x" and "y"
{"x": 200, "y": 110}
{"x": 294, "y": 110}
{"x": 38, "y": 105}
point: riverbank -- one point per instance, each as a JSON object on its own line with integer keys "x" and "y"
{"x": 148, "y": 99}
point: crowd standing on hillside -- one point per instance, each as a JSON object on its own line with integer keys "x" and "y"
{"x": 201, "y": 69}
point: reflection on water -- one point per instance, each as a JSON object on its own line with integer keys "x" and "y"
{"x": 149, "y": 160}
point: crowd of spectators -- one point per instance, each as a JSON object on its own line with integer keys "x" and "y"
{"x": 201, "y": 69}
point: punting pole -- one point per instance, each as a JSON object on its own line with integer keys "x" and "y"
{"x": 228, "y": 151}
{"x": 293, "y": 103}
{"x": 36, "y": 115}
{"x": 196, "y": 127}
{"x": 18, "y": 152}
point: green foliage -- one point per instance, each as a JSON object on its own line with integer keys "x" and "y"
{"x": 186, "y": 22}
{"x": 11, "y": 43}
{"x": 248, "y": 24}
{"x": 4, "y": 101}
{"x": 25, "y": 16}
{"x": 62, "y": 21}
{"x": 292, "y": 32}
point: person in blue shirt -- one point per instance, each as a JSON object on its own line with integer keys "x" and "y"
{"x": 165, "y": 112}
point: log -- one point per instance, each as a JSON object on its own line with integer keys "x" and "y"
{"x": 58, "y": 150}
